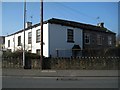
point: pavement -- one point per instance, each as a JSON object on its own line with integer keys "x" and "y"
{"x": 59, "y": 73}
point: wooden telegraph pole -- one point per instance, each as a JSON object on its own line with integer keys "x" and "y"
{"x": 41, "y": 24}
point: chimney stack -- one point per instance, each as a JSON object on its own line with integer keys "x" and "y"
{"x": 28, "y": 24}
{"x": 101, "y": 24}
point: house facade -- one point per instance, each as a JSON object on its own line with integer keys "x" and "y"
{"x": 101, "y": 40}
{"x": 60, "y": 38}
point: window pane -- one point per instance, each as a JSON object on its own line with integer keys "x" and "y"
{"x": 38, "y": 35}
{"x": 29, "y": 37}
{"x": 19, "y": 40}
{"x": 38, "y": 51}
{"x": 87, "y": 38}
{"x": 70, "y": 35}
{"x": 8, "y": 43}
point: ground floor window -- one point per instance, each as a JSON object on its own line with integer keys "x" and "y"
{"x": 109, "y": 40}
{"x": 29, "y": 51}
{"x": 8, "y": 43}
{"x": 38, "y": 51}
{"x": 99, "y": 39}
{"x": 19, "y": 40}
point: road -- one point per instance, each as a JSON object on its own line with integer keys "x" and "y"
{"x": 59, "y": 82}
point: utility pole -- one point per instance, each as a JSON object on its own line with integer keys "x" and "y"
{"x": 24, "y": 33}
{"x": 41, "y": 24}
{"x": 31, "y": 32}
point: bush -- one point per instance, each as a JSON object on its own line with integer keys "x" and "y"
{"x": 32, "y": 55}
{"x": 19, "y": 54}
{"x": 113, "y": 52}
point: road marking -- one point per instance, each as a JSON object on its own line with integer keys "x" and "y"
{"x": 48, "y": 71}
{"x": 35, "y": 77}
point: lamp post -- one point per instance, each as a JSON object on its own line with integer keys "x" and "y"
{"x": 24, "y": 34}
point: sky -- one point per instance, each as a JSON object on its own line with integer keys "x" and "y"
{"x": 84, "y": 12}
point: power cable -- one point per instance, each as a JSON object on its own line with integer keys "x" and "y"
{"x": 78, "y": 12}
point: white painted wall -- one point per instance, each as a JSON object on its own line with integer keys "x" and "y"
{"x": 11, "y": 42}
{"x": 54, "y": 37}
{"x": 58, "y": 40}
{"x": 46, "y": 40}
{"x": 34, "y": 46}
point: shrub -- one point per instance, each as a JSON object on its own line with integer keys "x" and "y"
{"x": 19, "y": 54}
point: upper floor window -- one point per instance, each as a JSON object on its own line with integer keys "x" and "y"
{"x": 13, "y": 39}
{"x": 99, "y": 39}
{"x": 29, "y": 37}
{"x": 70, "y": 35}
{"x": 38, "y": 35}
{"x": 87, "y": 38}
{"x": 8, "y": 43}
{"x": 19, "y": 40}
{"x": 109, "y": 40}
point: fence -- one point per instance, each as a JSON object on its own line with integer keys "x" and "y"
{"x": 80, "y": 63}
{"x": 87, "y": 52}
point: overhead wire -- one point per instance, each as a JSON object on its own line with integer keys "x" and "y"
{"x": 78, "y": 12}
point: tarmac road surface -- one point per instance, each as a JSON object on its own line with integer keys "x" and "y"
{"x": 59, "y": 82}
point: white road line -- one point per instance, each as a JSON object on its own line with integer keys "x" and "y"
{"x": 29, "y": 77}
{"x": 48, "y": 71}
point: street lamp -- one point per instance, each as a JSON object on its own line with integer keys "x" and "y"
{"x": 24, "y": 34}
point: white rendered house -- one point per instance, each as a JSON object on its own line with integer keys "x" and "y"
{"x": 57, "y": 35}
{"x": 62, "y": 38}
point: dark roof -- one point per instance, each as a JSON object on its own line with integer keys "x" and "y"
{"x": 25, "y": 29}
{"x": 71, "y": 24}
{"x": 79, "y": 25}
{"x": 2, "y": 36}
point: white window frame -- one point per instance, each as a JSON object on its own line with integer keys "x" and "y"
{"x": 38, "y": 36}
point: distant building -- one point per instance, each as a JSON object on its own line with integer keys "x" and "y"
{"x": 61, "y": 38}
{"x": 2, "y": 43}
